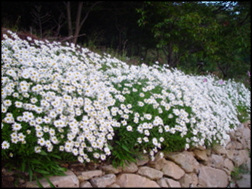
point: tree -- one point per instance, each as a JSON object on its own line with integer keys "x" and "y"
{"x": 79, "y": 21}
{"x": 40, "y": 18}
{"x": 186, "y": 30}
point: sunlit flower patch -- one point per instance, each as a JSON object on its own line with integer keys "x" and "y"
{"x": 63, "y": 99}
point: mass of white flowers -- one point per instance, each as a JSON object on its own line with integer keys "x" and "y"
{"x": 70, "y": 99}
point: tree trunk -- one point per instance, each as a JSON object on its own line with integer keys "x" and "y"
{"x": 172, "y": 57}
{"x": 77, "y": 24}
{"x": 69, "y": 19}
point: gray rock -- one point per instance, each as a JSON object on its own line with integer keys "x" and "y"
{"x": 245, "y": 181}
{"x": 216, "y": 161}
{"x": 220, "y": 150}
{"x": 103, "y": 181}
{"x": 134, "y": 180}
{"x": 111, "y": 169}
{"x": 201, "y": 155}
{"x": 158, "y": 163}
{"x": 241, "y": 157}
{"x": 130, "y": 168}
{"x": 211, "y": 177}
{"x": 113, "y": 186}
{"x": 151, "y": 173}
{"x": 85, "y": 184}
{"x": 162, "y": 183}
{"x": 172, "y": 170}
{"x": 229, "y": 165}
{"x": 186, "y": 161}
{"x": 189, "y": 180}
{"x": 68, "y": 181}
{"x": 143, "y": 160}
{"x": 172, "y": 183}
{"x": 89, "y": 174}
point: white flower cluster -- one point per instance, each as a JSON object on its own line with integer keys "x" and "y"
{"x": 74, "y": 99}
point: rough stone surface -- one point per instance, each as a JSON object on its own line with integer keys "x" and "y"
{"x": 228, "y": 164}
{"x": 220, "y": 150}
{"x": 189, "y": 180}
{"x": 158, "y": 163}
{"x": 68, "y": 181}
{"x": 241, "y": 157}
{"x": 234, "y": 145}
{"x": 130, "y": 168}
{"x": 172, "y": 170}
{"x": 103, "y": 181}
{"x": 89, "y": 174}
{"x": 85, "y": 184}
{"x": 216, "y": 161}
{"x": 150, "y": 173}
{"x": 211, "y": 177}
{"x": 111, "y": 169}
{"x": 113, "y": 186}
{"x": 201, "y": 155}
{"x": 143, "y": 160}
{"x": 245, "y": 181}
{"x": 230, "y": 154}
{"x": 134, "y": 180}
{"x": 162, "y": 183}
{"x": 197, "y": 167}
{"x": 186, "y": 160}
{"x": 172, "y": 183}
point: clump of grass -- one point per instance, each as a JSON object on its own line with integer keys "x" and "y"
{"x": 236, "y": 174}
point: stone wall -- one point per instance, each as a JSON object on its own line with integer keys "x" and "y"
{"x": 193, "y": 168}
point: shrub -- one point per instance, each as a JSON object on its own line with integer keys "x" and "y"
{"x": 64, "y": 102}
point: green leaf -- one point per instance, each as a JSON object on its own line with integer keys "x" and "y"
{"x": 39, "y": 184}
{"x": 43, "y": 153}
{"x": 30, "y": 174}
{"x": 35, "y": 161}
{"x": 50, "y": 183}
{"x": 55, "y": 156}
{"x": 125, "y": 148}
{"x": 42, "y": 171}
{"x": 23, "y": 166}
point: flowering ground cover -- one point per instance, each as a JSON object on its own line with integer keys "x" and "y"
{"x": 61, "y": 102}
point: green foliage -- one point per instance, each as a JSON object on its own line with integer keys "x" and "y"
{"x": 215, "y": 34}
{"x": 39, "y": 165}
{"x": 236, "y": 174}
{"x": 243, "y": 115}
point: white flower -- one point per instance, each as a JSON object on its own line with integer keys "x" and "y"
{"x": 141, "y": 94}
{"x": 4, "y": 109}
{"x": 61, "y": 148}
{"x": 7, "y": 102}
{"x": 129, "y": 128}
{"x": 41, "y": 141}
{"x": 37, "y": 149}
{"x": 16, "y": 126}
{"x": 75, "y": 151}
{"x": 148, "y": 116}
{"x": 140, "y": 103}
{"x": 146, "y": 132}
{"x": 139, "y": 140}
{"x": 21, "y": 137}
{"x": 155, "y": 141}
{"x": 5, "y": 145}
{"x": 18, "y": 104}
{"x": 80, "y": 159}
{"x": 161, "y": 154}
{"x": 145, "y": 139}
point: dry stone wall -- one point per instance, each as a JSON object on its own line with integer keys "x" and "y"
{"x": 195, "y": 168}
